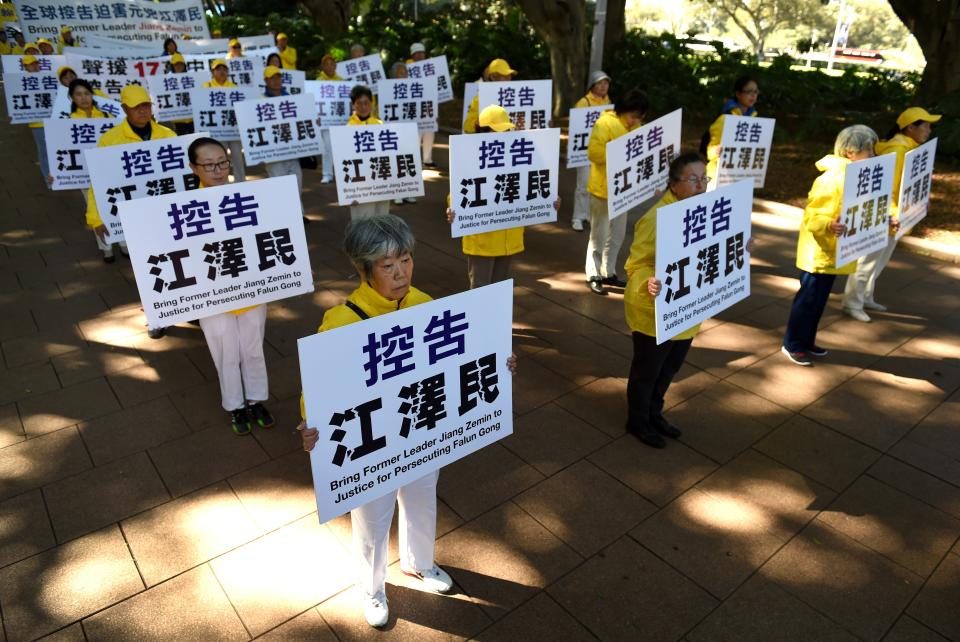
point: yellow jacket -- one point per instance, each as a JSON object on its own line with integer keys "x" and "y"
{"x": 323, "y": 76}
{"x": 15, "y": 49}
{"x": 608, "y": 127}
{"x": 5, "y": 49}
{"x": 900, "y": 145}
{"x": 371, "y": 302}
{"x": 372, "y": 120}
{"x": 639, "y": 306}
{"x": 497, "y": 243}
{"x": 473, "y": 115}
{"x": 817, "y": 245}
{"x": 288, "y": 57}
{"x": 589, "y": 100}
{"x": 94, "y": 113}
{"x": 121, "y": 134}
{"x": 716, "y": 133}
{"x": 213, "y": 83}
{"x": 62, "y": 44}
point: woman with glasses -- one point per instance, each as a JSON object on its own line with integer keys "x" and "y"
{"x": 235, "y": 338}
{"x": 743, "y": 103}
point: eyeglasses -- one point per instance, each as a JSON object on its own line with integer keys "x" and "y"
{"x": 215, "y": 167}
{"x": 698, "y": 180}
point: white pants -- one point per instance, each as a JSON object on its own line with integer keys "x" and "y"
{"x": 236, "y": 346}
{"x": 286, "y": 168}
{"x": 236, "y": 161}
{"x": 365, "y": 210}
{"x": 606, "y": 237}
{"x": 581, "y": 197}
{"x": 862, "y": 283}
{"x": 417, "y": 526}
{"x": 426, "y": 147}
{"x": 327, "y": 152}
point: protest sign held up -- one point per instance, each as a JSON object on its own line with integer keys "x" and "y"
{"x": 529, "y": 102}
{"x": 171, "y": 94}
{"x": 29, "y": 96}
{"x": 376, "y": 162}
{"x": 213, "y": 109}
{"x": 278, "y": 128}
{"x": 409, "y": 100}
{"x": 434, "y": 67}
{"x": 744, "y": 150}
{"x": 914, "y": 197}
{"x": 867, "y": 192}
{"x": 66, "y": 140}
{"x": 132, "y": 20}
{"x": 366, "y": 70}
{"x": 582, "y": 120}
{"x": 333, "y": 100}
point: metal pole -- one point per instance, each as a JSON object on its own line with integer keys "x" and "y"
{"x": 416, "y": 10}
{"x": 836, "y": 33}
{"x": 596, "y": 43}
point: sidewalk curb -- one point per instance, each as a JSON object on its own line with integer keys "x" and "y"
{"x": 939, "y": 251}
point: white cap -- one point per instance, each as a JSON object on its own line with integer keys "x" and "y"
{"x": 597, "y": 76}
{"x": 417, "y": 47}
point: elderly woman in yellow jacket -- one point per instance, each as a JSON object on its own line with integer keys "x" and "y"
{"x": 743, "y": 103}
{"x": 361, "y": 98}
{"x": 606, "y": 236}
{"x": 817, "y": 243}
{"x": 598, "y": 94}
{"x": 912, "y": 130}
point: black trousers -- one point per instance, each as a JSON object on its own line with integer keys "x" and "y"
{"x": 651, "y": 372}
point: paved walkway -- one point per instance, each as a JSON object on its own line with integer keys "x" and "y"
{"x": 801, "y": 503}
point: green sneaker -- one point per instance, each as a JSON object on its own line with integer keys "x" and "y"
{"x": 260, "y": 415}
{"x": 241, "y": 423}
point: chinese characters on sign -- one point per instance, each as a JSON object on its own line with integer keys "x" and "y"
{"x": 915, "y": 185}
{"x": 701, "y": 257}
{"x": 401, "y": 395}
{"x": 366, "y": 70}
{"x": 213, "y": 109}
{"x": 246, "y": 71}
{"x": 529, "y": 102}
{"x": 434, "y": 67}
{"x": 30, "y": 96}
{"x": 14, "y": 64}
{"x": 171, "y": 94}
{"x": 200, "y": 253}
{"x": 292, "y": 81}
{"x": 503, "y": 180}
{"x": 376, "y": 162}
{"x": 333, "y": 100}
{"x": 638, "y": 163}
{"x": 410, "y": 101}
{"x": 582, "y": 120}
{"x": 66, "y": 141}
{"x": 744, "y": 150}
{"x": 130, "y": 20}
{"x": 278, "y": 128}
{"x": 867, "y": 194}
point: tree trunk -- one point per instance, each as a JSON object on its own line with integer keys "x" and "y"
{"x": 562, "y": 25}
{"x": 616, "y": 27}
{"x": 331, "y": 16}
{"x": 936, "y": 26}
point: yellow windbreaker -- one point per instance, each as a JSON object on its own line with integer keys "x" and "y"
{"x": 121, "y": 134}
{"x": 288, "y": 57}
{"x": 716, "y": 133}
{"x": 589, "y": 100}
{"x": 213, "y": 83}
{"x": 355, "y": 120}
{"x": 324, "y": 76}
{"x": 639, "y": 306}
{"x": 608, "y": 127}
{"x": 817, "y": 245}
{"x": 900, "y": 145}
{"x": 94, "y": 113}
{"x": 473, "y": 115}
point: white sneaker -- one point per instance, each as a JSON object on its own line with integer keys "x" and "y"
{"x": 375, "y": 609}
{"x": 577, "y": 224}
{"x": 435, "y": 579}
{"x": 398, "y": 201}
{"x": 409, "y": 199}
{"x": 327, "y": 178}
{"x": 873, "y": 305}
{"x": 859, "y": 315}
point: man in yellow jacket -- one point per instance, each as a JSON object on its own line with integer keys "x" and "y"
{"x": 817, "y": 243}
{"x": 137, "y": 127}
{"x": 221, "y": 78}
{"x": 606, "y": 236}
{"x": 597, "y": 95}
{"x": 288, "y": 55}
{"x": 65, "y": 39}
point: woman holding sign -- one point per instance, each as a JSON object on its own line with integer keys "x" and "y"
{"x": 817, "y": 244}
{"x": 913, "y": 129}
{"x": 597, "y": 95}
{"x": 361, "y": 99}
{"x": 743, "y": 103}
{"x": 221, "y": 78}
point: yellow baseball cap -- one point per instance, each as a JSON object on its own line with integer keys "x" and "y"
{"x": 43, "y": 41}
{"x": 496, "y": 118}
{"x": 28, "y": 60}
{"x": 62, "y": 70}
{"x": 219, "y": 62}
{"x": 270, "y": 72}
{"x": 281, "y": 36}
{"x": 234, "y": 42}
{"x": 177, "y": 57}
{"x": 133, "y": 95}
{"x": 500, "y": 66}
{"x": 913, "y": 114}
{"x": 65, "y": 29}
{"x": 31, "y": 45}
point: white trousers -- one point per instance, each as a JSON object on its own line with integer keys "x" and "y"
{"x": 236, "y": 161}
{"x": 236, "y": 346}
{"x": 426, "y": 146}
{"x": 366, "y": 210}
{"x": 606, "y": 237}
{"x": 327, "y": 152}
{"x": 417, "y": 526}
{"x": 286, "y": 168}
{"x": 862, "y": 284}
{"x": 581, "y": 197}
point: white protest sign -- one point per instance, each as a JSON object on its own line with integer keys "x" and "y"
{"x": 220, "y": 45}
{"x": 744, "y": 149}
{"x": 66, "y": 141}
{"x": 14, "y": 64}
{"x": 529, "y": 102}
{"x": 293, "y": 81}
{"x": 278, "y": 128}
{"x": 113, "y": 66}
{"x": 93, "y": 43}
{"x": 376, "y": 162}
{"x": 436, "y": 66}
{"x": 171, "y": 94}
{"x": 638, "y": 163}
{"x": 867, "y": 192}
{"x": 61, "y": 105}
{"x": 246, "y": 71}
{"x": 470, "y": 90}
{"x": 582, "y": 120}
{"x": 125, "y": 20}
{"x": 213, "y": 109}
{"x": 914, "y": 194}
{"x": 401, "y": 395}
{"x": 701, "y": 257}
{"x": 503, "y": 180}
{"x": 200, "y": 62}
{"x": 135, "y": 171}
{"x": 366, "y": 70}
{"x": 30, "y": 96}
{"x": 217, "y": 249}
{"x": 333, "y": 100}
{"x": 409, "y": 100}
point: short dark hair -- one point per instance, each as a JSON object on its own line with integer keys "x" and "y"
{"x": 678, "y": 164}
{"x": 741, "y": 83}
{"x": 203, "y": 141}
{"x": 358, "y": 91}
{"x": 278, "y": 58}
{"x": 634, "y": 100}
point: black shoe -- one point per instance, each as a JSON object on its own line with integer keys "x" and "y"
{"x": 430, "y": 165}
{"x": 614, "y": 281}
{"x": 596, "y": 286}
{"x": 647, "y": 436}
{"x": 817, "y": 351}
{"x": 240, "y": 422}
{"x": 666, "y": 429}
{"x": 156, "y": 333}
{"x": 260, "y": 415}
{"x": 109, "y": 259}
{"x": 306, "y": 221}
{"x": 195, "y": 322}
